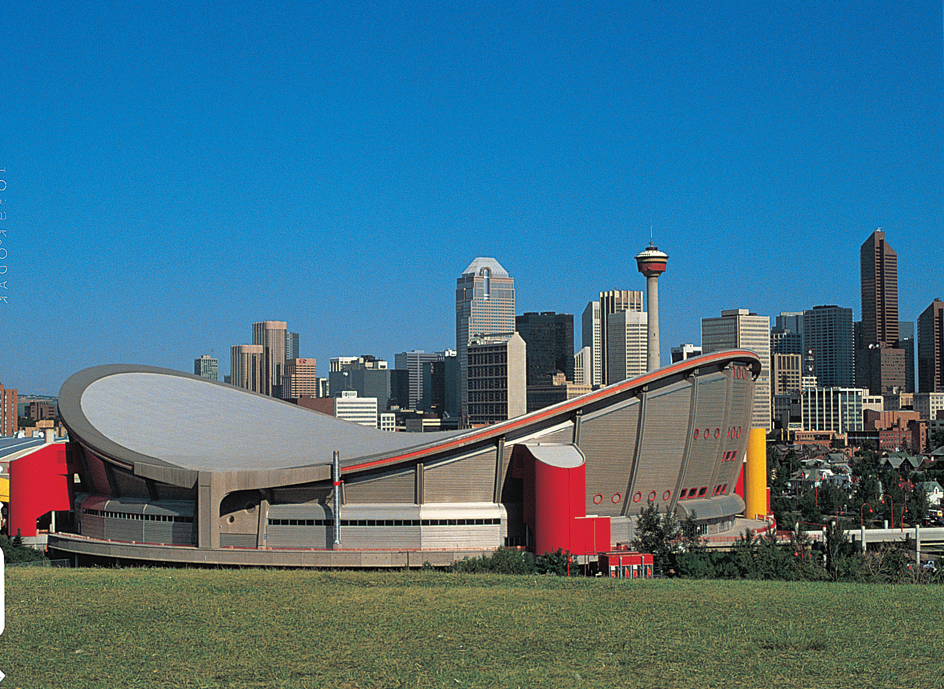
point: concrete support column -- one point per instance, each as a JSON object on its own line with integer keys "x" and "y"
{"x": 652, "y": 316}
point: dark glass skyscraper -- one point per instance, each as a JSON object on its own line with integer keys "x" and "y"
{"x": 880, "y": 364}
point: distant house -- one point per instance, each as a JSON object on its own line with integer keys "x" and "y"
{"x": 934, "y": 492}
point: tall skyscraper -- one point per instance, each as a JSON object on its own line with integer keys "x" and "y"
{"x": 485, "y": 305}
{"x": 907, "y": 343}
{"x": 652, "y": 263}
{"x": 879, "y": 271}
{"x": 880, "y": 364}
{"x": 786, "y": 337}
{"x": 206, "y": 367}
{"x": 549, "y": 338}
{"x": 741, "y": 329}
{"x": 931, "y": 348}
{"x": 496, "y": 379}
{"x": 300, "y": 379}
{"x": 413, "y": 362}
{"x": 247, "y": 366}
{"x": 592, "y": 341}
{"x": 827, "y": 333}
{"x": 627, "y": 345}
{"x": 614, "y": 301}
{"x": 271, "y": 335}
{"x": 291, "y": 346}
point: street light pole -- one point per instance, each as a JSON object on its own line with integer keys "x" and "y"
{"x": 862, "y": 523}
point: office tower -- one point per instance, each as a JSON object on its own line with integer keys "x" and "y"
{"x": 549, "y": 338}
{"x": 741, "y": 329}
{"x": 366, "y": 375}
{"x": 626, "y": 345}
{"x": 554, "y": 390}
{"x": 592, "y": 341}
{"x": 827, "y": 334}
{"x": 247, "y": 366}
{"x": 300, "y": 379}
{"x": 9, "y": 411}
{"x": 652, "y": 263}
{"x": 931, "y": 348}
{"x": 906, "y": 343}
{"x": 271, "y": 335}
{"x": 879, "y": 272}
{"x": 880, "y": 365}
{"x": 614, "y": 301}
{"x": 497, "y": 387}
{"x": 685, "y": 351}
{"x": 786, "y": 374}
{"x": 485, "y": 305}
{"x": 360, "y": 410}
{"x": 786, "y": 337}
{"x": 441, "y": 385}
{"x": 413, "y": 362}
{"x": 206, "y": 367}
{"x": 583, "y": 367}
{"x": 832, "y": 409}
{"x": 291, "y": 346}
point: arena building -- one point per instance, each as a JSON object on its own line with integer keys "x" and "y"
{"x": 163, "y": 466}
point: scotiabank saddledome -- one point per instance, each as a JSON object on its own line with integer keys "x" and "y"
{"x": 174, "y": 468}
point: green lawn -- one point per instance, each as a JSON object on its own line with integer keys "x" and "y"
{"x": 255, "y": 628}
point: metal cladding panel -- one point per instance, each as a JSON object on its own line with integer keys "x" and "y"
{"x": 399, "y": 486}
{"x": 471, "y": 479}
{"x": 92, "y": 526}
{"x": 380, "y": 537}
{"x": 608, "y": 442}
{"x": 238, "y": 540}
{"x": 293, "y": 495}
{"x": 124, "y": 530}
{"x": 463, "y": 537}
{"x": 709, "y": 434}
{"x": 662, "y": 446}
{"x": 128, "y": 485}
{"x": 312, "y": 510}
{"x": 299, "y": 536}
{"x": 740, "y": 413}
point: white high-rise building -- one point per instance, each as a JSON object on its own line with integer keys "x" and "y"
{"x": 583, "y": 367}
{"x": 626, "y": 345}
{"x": 741, "y": 329}
{"x": 360, "y": 410}
{"x": 592, "y": 341}
{"x": 485, "y": 306}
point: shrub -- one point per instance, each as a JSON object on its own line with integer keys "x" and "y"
{"x": 553, "y": 563}
{"x": 502, "y": 561}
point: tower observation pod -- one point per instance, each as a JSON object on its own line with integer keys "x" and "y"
{"x": 652, "y": 263}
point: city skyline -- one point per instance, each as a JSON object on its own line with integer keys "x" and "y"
{"x": 171, "y": 181}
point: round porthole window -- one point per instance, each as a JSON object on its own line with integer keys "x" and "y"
{"x": 597, "y": 499}
{"x": 616, "y": 498}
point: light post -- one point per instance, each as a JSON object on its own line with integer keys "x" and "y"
{"x": 862, "y": 523}
{"x": 891, "y": 502}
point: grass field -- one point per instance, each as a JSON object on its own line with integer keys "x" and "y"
{"x": 254, "y": 628}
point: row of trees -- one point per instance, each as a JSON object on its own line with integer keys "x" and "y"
{"x": 878, "y": 493}
{"x": 678, "y": 551}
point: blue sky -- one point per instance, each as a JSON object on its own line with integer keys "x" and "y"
{"x": 178, "y": 170}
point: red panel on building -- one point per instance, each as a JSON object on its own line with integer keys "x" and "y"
{"x": 40, "y": 482}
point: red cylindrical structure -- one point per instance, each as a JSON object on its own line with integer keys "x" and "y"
{"x": 560, "y": 499}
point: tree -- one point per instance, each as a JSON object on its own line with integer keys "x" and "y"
{"x": 657, "y": 533}
{"x": 936, "y": 438}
